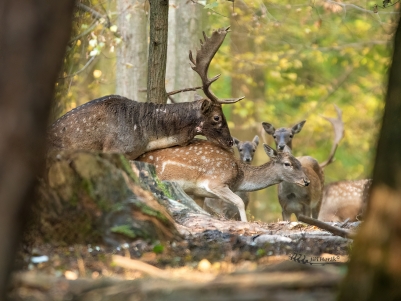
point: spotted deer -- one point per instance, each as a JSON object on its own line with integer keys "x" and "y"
{"x": 117, "y": 124}
{"x": 304, "y": 200}
{"x": 205, "y": 169}
{"x": 344, "y": 200}
{"x": 246, "y": 150}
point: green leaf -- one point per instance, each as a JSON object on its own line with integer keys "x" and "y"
{"x": 211, "y": 5}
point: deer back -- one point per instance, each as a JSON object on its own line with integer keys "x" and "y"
{"x": 344, "y": 200}
{"x": 195, "y": 165}
{"x": 117, "y": 124}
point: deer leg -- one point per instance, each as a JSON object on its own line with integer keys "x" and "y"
{"x": 316, "y": 209}
{"x": 286, "y": 215}
{"x": 307, "y": 211}
{"x": 200, "y": 201}
{"x": 228, "y": 196}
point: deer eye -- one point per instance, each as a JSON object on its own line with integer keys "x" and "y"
{"x": 274, "y": 136}
{"x": 291, "y": 136}
{"x": 216, "y": 118}
{"x": 287, "y": 164}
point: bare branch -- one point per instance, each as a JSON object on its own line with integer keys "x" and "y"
{"x": 332, "y": 229}
{"x": 183, "y": 90}
{"x": 81, "y": 70}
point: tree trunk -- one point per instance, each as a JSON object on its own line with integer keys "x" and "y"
{"x": 132, "y": 53}
{"x": 187, "y": 34}
{"x": 375, "y": 267}
{"x": 172, "y": 35}
{"x": 158, "y": 51}
{"x": 33, "y": 37}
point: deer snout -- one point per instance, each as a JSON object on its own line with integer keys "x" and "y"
{"x": 281, "y": 147}
{"x": 247, "y": 159}
{"x": 230, "y": 142}
{"x": 306, "y": 182}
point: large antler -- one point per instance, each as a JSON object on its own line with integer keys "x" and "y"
{"x": 203, "y": 58}
{"x": 338, "y": 127}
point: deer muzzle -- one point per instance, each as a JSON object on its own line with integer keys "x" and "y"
{"x": 306, "y": 182}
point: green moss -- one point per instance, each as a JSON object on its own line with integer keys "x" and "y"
{"x": 126, "y": 167}
{"x": 125, "y": 230}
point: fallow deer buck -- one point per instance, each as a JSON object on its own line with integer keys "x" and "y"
{"x": 246, "y": 150}
{"x": 205, "y": 169}
{"x": 308, "y": 200}
{"x": 117, "y": 124}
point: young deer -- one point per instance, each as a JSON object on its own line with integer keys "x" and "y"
{"x": 344, "y": 200}
{"x": 205, "y": 169}
{"x": 294, "y": 199}
{"x": 246, "y": 150}
{"x": 117, "y": 124}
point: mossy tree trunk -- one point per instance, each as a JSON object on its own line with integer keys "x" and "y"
{"x": 33, "y": 38}
{"x": 375, "y": 267}
{"x": 158, "y": 51}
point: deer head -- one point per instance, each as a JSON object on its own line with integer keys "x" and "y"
{"x": 246, "y": 149}
{"x": 283, "y": 136}
{"x": 214, "y": 126}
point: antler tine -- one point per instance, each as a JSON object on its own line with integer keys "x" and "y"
{"x": 204, "y": 56}
{"x": 338, "y": 127}
{"x": 230, "y": 100}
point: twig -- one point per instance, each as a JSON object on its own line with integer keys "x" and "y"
{"x": 183, "y": 90}
{"x": 334, "y": 230}
{"x": 82, "y": 69}
{"x": 95, "y": 14}
{"x": 141, "y": 266}
{"x": 155, "y": 272}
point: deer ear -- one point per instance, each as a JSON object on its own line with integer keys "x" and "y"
{"x": 206, "y": 105}
{"x": 256, "y": 140}
{"x": 236, "y": 141}
{"x": 270, "y": 151}
{"x": 269, "y": 128}
{"x": 298, "y": 127}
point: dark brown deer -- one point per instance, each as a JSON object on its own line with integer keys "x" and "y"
{"x": 205, "y": 169}
{"x": 344, "y": 200}
{"x": 308, "y": 200}
{"x": 246, "y": 150}
{"x": 117, "y": 124}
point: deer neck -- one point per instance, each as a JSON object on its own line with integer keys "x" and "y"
{"x": 258, "y": 177}
{"x": 175, "y": 122}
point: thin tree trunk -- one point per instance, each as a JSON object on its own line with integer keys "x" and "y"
{"x": 375, "y": 267}
{"x": 132, "y": 53}
{"x": 158, "y": 51}
{"x": 172, "y": 34}
{"x": 33, "y": 37}
{"x": 188, "y": 32}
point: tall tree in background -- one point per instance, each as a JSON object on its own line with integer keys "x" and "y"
{"x": 158, "y": 20}
{"x": 33, "y": 38}
{"x": 375, "y": 267}
{"x": 186, "y": 31}
{"x": 132, "y": 53}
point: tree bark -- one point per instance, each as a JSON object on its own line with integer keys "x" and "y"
{"x": 33, "y": 37}
{"x": 375, "y": 267}
{"x": 158, "y": 51}
{"x": 132, "y": 53}
{"x": 188, "y": 17}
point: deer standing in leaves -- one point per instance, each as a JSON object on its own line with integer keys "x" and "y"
{"x": 117, "y": 124}
{"x": 204, "y": 169}
{"x": 298, "y": 200}
{"x": 246, "y": 150}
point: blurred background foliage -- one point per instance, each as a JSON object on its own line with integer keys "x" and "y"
{"x": 292, "y": 60}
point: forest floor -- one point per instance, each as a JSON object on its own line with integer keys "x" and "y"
{"x": 213, "y": 260}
